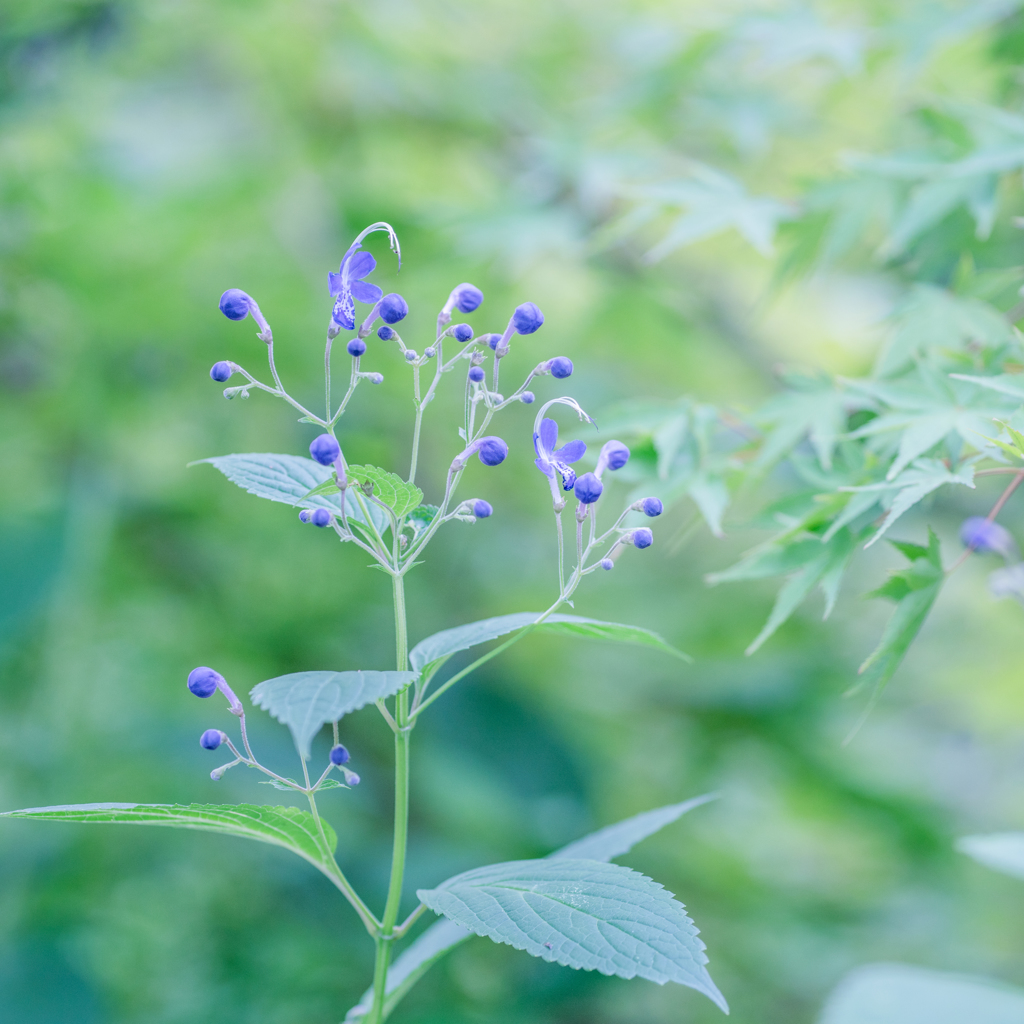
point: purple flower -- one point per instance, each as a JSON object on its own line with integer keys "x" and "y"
{"x": 384, "y": 333}
{"x": 652, "y": 507}
{"x": 588, "y": 489}
{"x": 212, "y": 739}
{"x": 348, "y": 285}
{"x": 339, "y": 755}
{"x": 482, "y": 509}
{"x": 320, "y": 517}
{"x": 222, "y": 371}
{"x": 527, "y": 318}
{"x": 549, "y": 461}
{"x": 641, "y": 537}
{"x": 462, "y": 332}
{"x": 476, "y": 374}
{"x": 464, "y": 297}
{"x": 393, "y": 308}
{"x": 324, "y": 449}
{"x": 560, "y": 367}
{"x": 491, "y": 451}
{"x": 237, "y": 305}
{"x": 614, "y": 455}
{"x": 981, "y": 535}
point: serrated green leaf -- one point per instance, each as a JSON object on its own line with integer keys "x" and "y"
{"x": 1001, "y": 851}
{"x": 915, "y": 589}
{"x": 289, "y": 479}
{"x": 430, "y": 654}
{"x": 583, "y": 914}
{"x": 287, "y": 827}
{"x": 326, "y": 784}
{"x": 900, "y": 994}
{"x": 443, "y": 936}
{"x": 420, "y": 518}
{"x": 306, "y": 701}
{"x": 389, "y": 488}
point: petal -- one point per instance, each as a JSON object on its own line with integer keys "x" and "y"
{"x": 365, "y": 292}
{"x": 359, "y": 265}
{"x": 572, "y": 452}
{"x": 548, "y": 435}
{"x": 344, "y": 312}
{"x": 335, "y": 282}
{"x": 568, "y": 475}
{"x": 544, "y": 466}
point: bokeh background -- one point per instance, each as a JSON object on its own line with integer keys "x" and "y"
{"x": 154, "y": 153}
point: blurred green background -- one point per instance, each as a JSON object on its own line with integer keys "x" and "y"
{"x": 153, "y": 154}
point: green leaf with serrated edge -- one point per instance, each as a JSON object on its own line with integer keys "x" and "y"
{"x": 287, "y": 827}
{"x": 389, "y": 488}
{"x": 914, "y": 589}
{"x": 1001, "y": 851}
{"x": 306, "y": 701}
{"x": 288, "y": 479}
{"x": 583, "y": 914}
{"x": 1011, "y": 450}
{"x": 429, "y": 654}
{"x": 326, "y": 784}
{"x": 443, "y": 936}
{"x": 900, "y": 994}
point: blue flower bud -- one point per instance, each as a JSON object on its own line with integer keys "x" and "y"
{"x": 305, "y": 516}
{"x": 324, "y": 449}
{"x": 588, "y": 488}
{"x": 339, "y": 755}
{"x": 203, "y": 681}
{"x": 384, "y": 333}
{"x": 356, "y": 347}
{"x": 429, "y": 352}
{"x": 393, "y": 308}
{"x": 607, "y": 563}
{"x": 320, "y": 517}
{"x": 351, "y": 778}
{"x": 222, "y": 371}
{"x": 234, "y": 304}
{"x": 642, "y": 537}
{"x": 527, "y": 398}
{"x": 211, "y": 739}
{"x": 375, "y": 378}
{"x": 467, "y": 297}
{"x": 492, "y": 451}
{"x": 614, "y": 455}
{"x": 491, "y": 340}
{"x": 652, "y": 507}
{"x": 410, "y": 355}
{"x": 476, "y": 373}
{"x": 482, "y": 509}
{"x": 981, "y": 535}
{"x": 462, "y": 332}
{"x": 527, "y": 318}
{"x": 560, "y": 367}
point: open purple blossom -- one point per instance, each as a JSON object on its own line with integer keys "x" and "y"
{"x": 237, "y": 305}
{"x": 348, "y": 285}
{"x": 980, "y": 534}
{"x": 551, "y": 461}
{"x": 614, "y": 455}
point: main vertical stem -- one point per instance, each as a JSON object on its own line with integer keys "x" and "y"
{"x": 391, "y": 908}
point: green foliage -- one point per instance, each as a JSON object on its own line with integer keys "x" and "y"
{"x": 287, "y": 827}
{"x": 1001, "y": 851}
{"x": 583, "y": 914}
{"x": 388, "y": 488}
{"x": 897, "y": 994}
{"x": 306, "y": 701}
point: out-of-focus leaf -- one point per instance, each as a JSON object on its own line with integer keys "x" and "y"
{"x": 711, "y": 496}
{"x": 430, "y": 654}
{"x": 389, "y": 488}
{"x": 1005, "y": 383}
{"x": 911, "y": 486}
{"x": 900, "y": 994}
{"x": 306, "y": 701}
{"x": 914, "y": 589}
{"x": 442, "y": 936}
{"x": 583, "y": 914}
{"x": 1001, "y": 851}
{"x": 287, "y": 827}
{"x": 289, "y": 479}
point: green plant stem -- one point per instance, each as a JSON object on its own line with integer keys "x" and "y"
{"x": 404, "y": 725}
{"x": 417, "y": 427}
